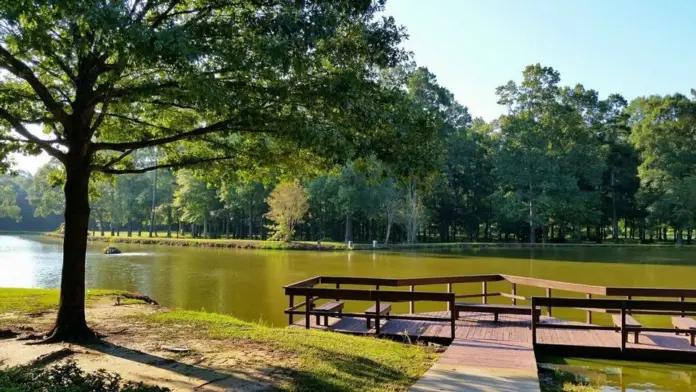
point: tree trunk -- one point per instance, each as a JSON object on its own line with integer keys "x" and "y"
{"x": 251, "y": 217}
{"x": 349, "y": 228}
{"x": 169, "y": 220}
{"x": 389, "y": 225}
{"x": 152, "y": 207}
{"x": 227, "y": 225}
{"x": 532, "y": 238}
{"x": 614, "y": 217}
{"x": 70, "y": 323}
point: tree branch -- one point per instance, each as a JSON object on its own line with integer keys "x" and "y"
{"x": 118, "y": 159}
{"x": 141, "y": 122}
{"x": 217, "y": 127}
{"x": 21, "y": 70}
{"x": 182, "y": 163}
{"x": 22, "y": 130}
{"x": 163, "y": 16}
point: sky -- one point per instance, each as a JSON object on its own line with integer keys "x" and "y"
{"x": 634, "y": 48}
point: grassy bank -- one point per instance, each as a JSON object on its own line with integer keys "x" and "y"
{"x": 31, "y": 301}
{"x": 161, "y": 239}
{"x": 285, "y": 359}
{"x": 553, "y": 380}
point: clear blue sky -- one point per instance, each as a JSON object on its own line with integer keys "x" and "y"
{"x": 633, "y": 48}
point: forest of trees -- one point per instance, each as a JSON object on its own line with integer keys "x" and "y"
{"x": 560, "y": 165}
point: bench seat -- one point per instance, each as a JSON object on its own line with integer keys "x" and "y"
{"x": 495, "y": 309}
{"x": 630, "y": 322}
{"x": 384, "y": 310}
{"x": 687, "y": 324}
{"x": 329, "y": 307}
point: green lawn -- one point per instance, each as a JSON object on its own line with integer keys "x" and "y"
{"x": 312, "y": 360}
{"x": 325, "y": 361}
{"x": 29, "y": 301}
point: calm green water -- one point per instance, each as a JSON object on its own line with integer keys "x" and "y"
{"x": 248, "y": 284}
{"x": 629, "y": 376}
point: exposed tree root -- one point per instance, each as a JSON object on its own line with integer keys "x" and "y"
{"x": 7, "y": 334}
{"x": 55, "y": 356}
{"x": 139, "y": 296}
{"x": 69, "y": 335}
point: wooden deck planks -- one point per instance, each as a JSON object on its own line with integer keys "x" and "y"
{"x": 510, "y": 328}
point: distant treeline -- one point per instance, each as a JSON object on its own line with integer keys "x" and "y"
{"x": 562, "y": 165}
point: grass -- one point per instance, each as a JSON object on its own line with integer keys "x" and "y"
{"x": 554, "y": 380}
{"x": 322, "y": 361}
{"x": 308, "y": 360}
{"x": 29, "y": 301}
{"x": 213, "y": 243}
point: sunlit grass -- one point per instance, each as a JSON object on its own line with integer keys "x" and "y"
{"x": 323, "y": 361}
{"x": 16, "y": 300}
{"x": 554, "y": 380}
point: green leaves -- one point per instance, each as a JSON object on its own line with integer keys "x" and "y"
{"x": 8, "y": 203}
{"x": 288, "y": 204}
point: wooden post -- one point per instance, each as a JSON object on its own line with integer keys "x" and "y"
{"x": 338, "y": 286}
{"x": 484, "y": 291}
{"x": 548, "y": 308}
{"x": 681, "y": 299}
{"x": 377, "y": 287}
{"x": 292, "y": 303}
{"x": 450, "y": 307}
{"x": 377, "y": 317}
{"x": 453, "y": 315}
{"x": 623, "y": 327}
{"x": 588, "y": 316}
{"x": 628, "y": 297}
{"x": 308, "y": 306}
{"x": 412, "y": 304}
{"x": 514, "y": 292}
{"x": 534, "y": 337}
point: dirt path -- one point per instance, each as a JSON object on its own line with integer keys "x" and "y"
{"x": 158, "y": 356}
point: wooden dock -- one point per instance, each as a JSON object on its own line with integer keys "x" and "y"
{"x": 488, "y": 355}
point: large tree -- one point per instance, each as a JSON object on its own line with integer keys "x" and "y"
{"x": 246, "y": 82}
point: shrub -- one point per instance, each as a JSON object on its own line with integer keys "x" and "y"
{"x": 67, "y": 378}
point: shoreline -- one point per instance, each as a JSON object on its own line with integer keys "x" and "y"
{"x": 336, "y": 246}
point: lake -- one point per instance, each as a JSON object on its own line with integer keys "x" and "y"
{"x": 248, "y": 283}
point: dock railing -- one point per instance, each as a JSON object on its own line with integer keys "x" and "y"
{"x": 308, "y": 290}
{"x": 619, "y": 306}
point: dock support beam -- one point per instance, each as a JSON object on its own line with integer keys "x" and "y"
{"x": 588, "y": 314}
{"x": 484, "y": 291}
{"x": 450, "y": 305}
{"x": 292, "y": 303}
{"x": 308, "y": 307}
{"x": 548, "y": 308}
{"x": 412, "y": 304}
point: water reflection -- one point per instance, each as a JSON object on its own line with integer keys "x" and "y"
{"x": 615, "y": 376}
{"x": 248, "y": 284}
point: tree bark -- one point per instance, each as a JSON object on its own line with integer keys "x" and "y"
{"x": 71, "y": 324}
{"x": 614, "y": 217}
{"x": 349, "y": 228}
{"x": 152, "y": 207}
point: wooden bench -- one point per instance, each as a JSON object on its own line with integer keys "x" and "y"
{"x": 687, "y": 324}
{"x": 384, "y": 310}
{"x": 630, "y": 322}
{"x": 495, "y": 309}
{"x": 329, "y": 307}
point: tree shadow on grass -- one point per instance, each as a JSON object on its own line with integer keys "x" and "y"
{"x": 192, "y": 376}
{"x": 339, "y": 373}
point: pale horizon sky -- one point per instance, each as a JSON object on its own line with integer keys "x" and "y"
{"x": 633, "y": 48}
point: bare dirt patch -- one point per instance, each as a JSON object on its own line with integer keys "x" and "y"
{"x": 162, "y": 356}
